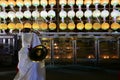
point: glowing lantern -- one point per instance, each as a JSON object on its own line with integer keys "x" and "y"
{"x": 51, "y": 13}
{"x": 44, "y": 14}
{"x": 71, "y": 14}
{"x": 79, "y": 14}
{"x": 115, "y": 2}
{"x": 88, "y": 26}
{"x": 62, "y": 2}
{"x": 104, "y": 2}
{"x": 3, "y": 3}
{"x": 52, "y": 2}
{"x": 43, "y": 3}
{"x": 35, "y": 14}
{"x": 35, "y": 2}
{"x": 19, "y": 14}
{"x": 3, "y": 15}
{"x": 27, "y": 25}
{"x": 11, "y": 26}
{"x": 43, "y": 26}
{"x": 96, "y": 1}
{"x": 63, "y": 14}
{"x": 11, "y": 15}
{"x": 96, "y": 13}
{"x": 71, "y": 26}
{"x": 19, "y": 3}
{"x": 105, "y": 26}
{"x": 19, "y": 26}
{"x": 115, "y": 13}
{"x": 62, "y": 26}
{"x": 80, "y": 26}
{"x": 27, "y": 14}
{"x": 35, "y": 26}
{"x": 3, "y": 26}
{"x": 11, "y": 2}
{"x": 115, "y": 26}
{"x": 96, "y": 26}
{"x": 27, "y": 3}
{"x": 88, "y": 13}
{"x": 79, "y": 2}
{"x": 52, "y": 26}
{"x": 87, "y": 2}
{"x": 71, "y": 2}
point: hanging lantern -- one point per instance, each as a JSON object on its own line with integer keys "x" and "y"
{"x": 71, "y": 26}
{"x": 79, "y": 2}
{"x": 63, "y": 26}
{"x": 19, "y": 3}
{"x": 71, "y": 2}
{"x": 19, "y": 26}
{"x": 52, "y": 26}
{"x": 88, "y": 2}
{"x": 115, "y": 2}
{"x": 80, "y": 26}
{"x": 115, "y": 26}
{"x": 105, "y": 26}
{"x": 51, "y": 13}
{"x": 11, "y": 15}
{"x": 11, "y": 26}
{"x": 96, "y": 2}
{"x": 96, "y": 13}
{"x": 3, "y": 15}
{"x": 43, "y": 3}
{"x": 44, "y": 14}
{"x": 115, "y": 13}
{"x": 35, "y": 2}
{"x": 88, "y": 13}
{"x": 63, "y": 2}
{"x": 104, "y": 2}
{"x": 35, "y": 14}
{"x": 96, "y": 26}
{"x": 27, "y": 25}
{"x": 52, "y": 2}
{"x": 27, "y": 3}
{"x": 105, "y": 13}
{"x": 19, "y": 14}
{"x": 63, "y": 14}
{"x": 11, "y": 2}
{"x": 35, "y": 26}
{"x": 79, "y": 14}
{"x": 3, "y": 3}
{"x": 43, "y": 26}
{"x": 3, "y": 26}
{"x": 71, "y": 14}
{"x": 88, "y": 26}
{"x": 27, "y": 14}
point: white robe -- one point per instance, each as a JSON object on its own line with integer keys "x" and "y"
{"x": 29, "y": 70}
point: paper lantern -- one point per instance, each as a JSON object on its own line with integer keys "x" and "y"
{"x": 43, "y": 26}
{"x": 3, "y": 15}
{"x": 63, "y": 2}
{"x": 88, "y": 2}
{"x": 19, "y": 26}
{"x": 27, "y": 3}
{"x": 79, "y": 2}
{"x": 27, "y": 14}
{"x": 11, "y": 14}
{"x": 71, "y": 2}
{"x": 104, "y": 2}
{"x": 105, "y": 26}
{"x": 115, "y": 2}
{"x": 52, "y": 2}
{"x": 19, "y": 14}
{"x": 11, "y": 26}
{"x": 96, "y": 26}
{"x": 43, "y": 14}
{"x": 79, "y": 14}
{"x": 43, "y": 2}
{"x": 80, "y": 26}
{"x": 105, "y": 13}
{"x": 96, "y": 13}
{"x": 35, "y": 26}
{"x": 115, "y": 26}
{"x": 115, "y": 13}
{"x": 35, "y": 14}
{"x": 51, "y": 13}
{"x": 71, "y": 26}
{"x": 96, "y": 2}
{"x": 35, "y": 2}
{"x": 88, "y": 13}
{"x": 88, "y": 26}
{"x": 52, "y": 26}
{"x": 3, "y": 3}
{"x": 27, "y": 25}
{"x": 11, "y": 2}
{"x": 62, "y": 26}
{"x": 19, "y": 3}
{"x": 3, "y": 26}
{"x": 71, "y": 14}
{"x": 63, "y": 14}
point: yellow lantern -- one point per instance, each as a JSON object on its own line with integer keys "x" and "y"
{"x": 71, "y": 26}
{"x": 79, "y": 2}
{"x": 52, "y": 26}
{"x": 115, "y": 26}
{"x": 115, "y": 2}
{"x": 27, "y": 25}
{"x": 27, "y": 3}
{"x": 35, "y": 26}
{"x": 43, "y": 2}
{"x": 3, "y": 3}
{"x": 96, "y": 1}
{"x": 11, "y": 26}
{"x": 104, "y": 2}
{"x": 105, "y": 26}
{"x": 52, "y": 2}
{"x": 80, "y": 26}
{"x": 71, "y": 2}
{"x": 35, "y": 2}
{"x": 88, "y": 2}
{"x": 19, "y": 26}
{"x": 3, "y": 26}
{"x": 96, "y": 26}
{"x": 12, "y": 2}
{"x": 43, "y": 26}
{"x": 62, "y": 26}
{"x": 19, "y": 3}
{"x": 62, "y": 2}
{"x": 88, "y": 26}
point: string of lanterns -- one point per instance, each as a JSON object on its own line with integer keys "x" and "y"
{"x": 49, "y": 15}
